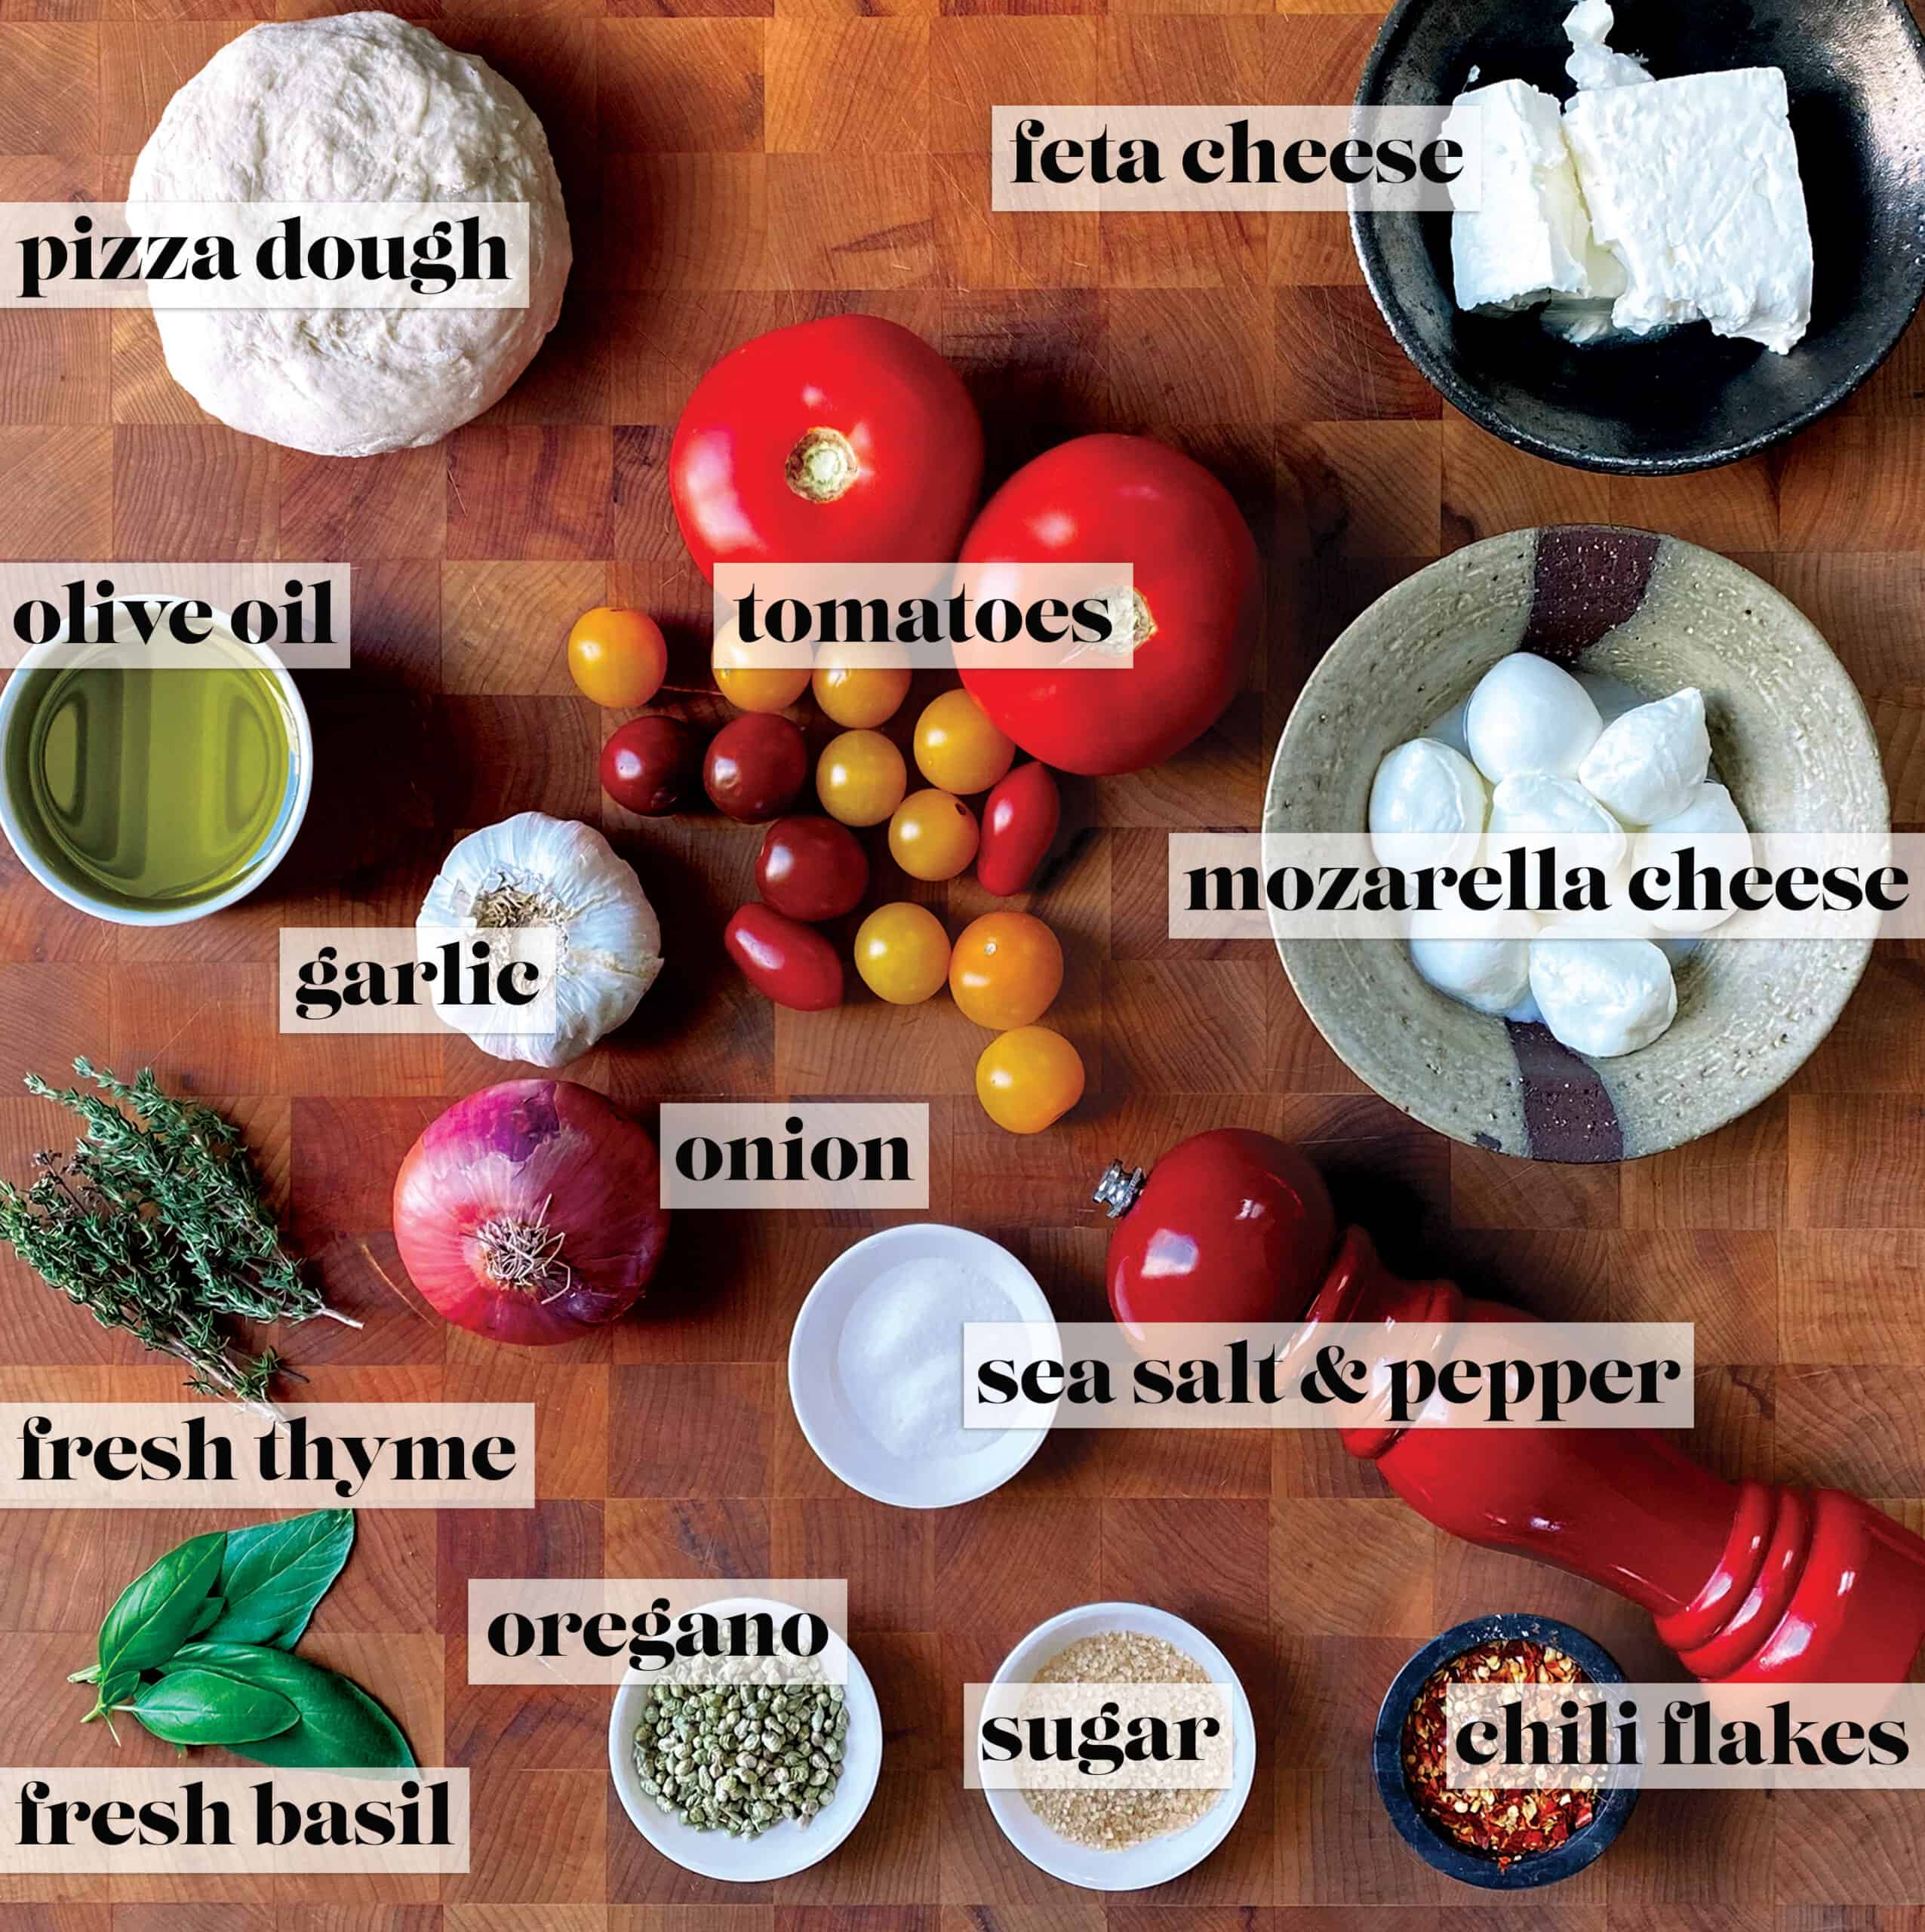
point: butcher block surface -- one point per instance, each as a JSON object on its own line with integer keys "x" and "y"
{"x": 729, "y": 169}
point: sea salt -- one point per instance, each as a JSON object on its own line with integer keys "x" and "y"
{"x": 900, "y": 1358}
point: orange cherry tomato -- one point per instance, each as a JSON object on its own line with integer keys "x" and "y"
{"x": 1028, "y": 1079}
{"x": 764, "y": 676}
{"x": 958, "y": 747}
{"x": 860, "y": 696}
{"x": 932, "y": 835}
{"x": 617, "y": 657}
{"x": 902, "y": 953}
{"x": 1006, "y": 971}
{"x": 860, "y": 778}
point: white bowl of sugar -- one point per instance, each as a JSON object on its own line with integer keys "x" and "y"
{"x": 875, "y": 1364}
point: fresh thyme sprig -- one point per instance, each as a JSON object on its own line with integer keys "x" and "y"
{"x": 157, "y": 1223}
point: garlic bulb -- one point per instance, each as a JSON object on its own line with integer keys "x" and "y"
{"x": 532, "y": 870}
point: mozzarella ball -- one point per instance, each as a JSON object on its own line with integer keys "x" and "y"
{"x": 1711, "y": 827}
{"x": 1648, "y": 765}
{"x": 1490, "y": 973}
{"x": 1427, "y": 807}
{"x": 1528, "y": 715}
{"x": 1603, "y": 997}
{"x": 1534, "y": 807}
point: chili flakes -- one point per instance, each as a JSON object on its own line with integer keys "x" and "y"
{"x": 1505, "y": 1826}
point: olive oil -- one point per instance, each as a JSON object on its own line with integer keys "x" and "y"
{"x": 152, "y": 788}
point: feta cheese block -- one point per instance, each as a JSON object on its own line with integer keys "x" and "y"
{"x": 1427, "y": 807}
{"x": 1591, "y": 64}
{"x": 1693, "y": 184}
{"x": 1529, "y": 237}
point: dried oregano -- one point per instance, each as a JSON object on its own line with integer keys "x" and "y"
{"x": 741, "y": 1757}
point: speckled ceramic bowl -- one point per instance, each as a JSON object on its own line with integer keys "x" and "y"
{"x": 1789, "y": 736}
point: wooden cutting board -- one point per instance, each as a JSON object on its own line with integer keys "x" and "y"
{"x": 728, "y": 169}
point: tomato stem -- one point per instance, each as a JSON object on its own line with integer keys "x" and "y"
{"x": 1142, "y": 625}
{"x": 822, "y": 466}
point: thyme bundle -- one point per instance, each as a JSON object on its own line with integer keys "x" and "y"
{"x": 158, "y": 1223}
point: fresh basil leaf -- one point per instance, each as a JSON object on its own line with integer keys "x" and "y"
{"x": 207, "y": 1616}
{"x": 152, "y": 1618}
{"x": 203, "y": 1707}
{"x": 114, "y": 1690}
{"x": 273, "y": 1575}
{"x": 341, "y": 1727}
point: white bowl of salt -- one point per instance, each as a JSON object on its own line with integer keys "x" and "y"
{"x": 875, "y": 1364}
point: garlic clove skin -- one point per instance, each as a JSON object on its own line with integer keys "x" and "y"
{"x": 535, "y": 870}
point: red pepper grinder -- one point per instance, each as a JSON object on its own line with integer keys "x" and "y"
{"x": 1749, "y": 1582}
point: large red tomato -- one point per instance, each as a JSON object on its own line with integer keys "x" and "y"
{"x": 847, "y": 440}
{"x": 1123, "y": 499}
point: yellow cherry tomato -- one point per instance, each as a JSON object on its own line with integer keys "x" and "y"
{"x": 932, "y": 835}
{"x": 1028, "y": 1079}
{"x": 1006, "y": 970}
{"x": 860, "y": 778}
{"x": 958, "y": 747}
{"x": 860, "y": 696}
{"x": 902, "y": 953}
{"x": 617, "y": 657}
{"x": 764, "y": 676}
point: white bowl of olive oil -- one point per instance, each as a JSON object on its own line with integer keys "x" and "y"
{"x": 152, "y": 794}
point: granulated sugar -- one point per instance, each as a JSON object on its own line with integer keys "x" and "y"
{"x": 1112, "y": 1820}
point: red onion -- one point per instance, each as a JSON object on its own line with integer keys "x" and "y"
{"x": 529, "y": 1211}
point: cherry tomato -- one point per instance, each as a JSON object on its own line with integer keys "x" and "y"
{"x": 1019, "y": 821}
{"x": 1006, "y": 970}
{"x": 617, "y": 658}
{"x": 1193, "y": 565}
{"x": 860, "y": 777}
{"x": 958, "y": 747}
{"x": 861, "y": 697}
{"x": 652, "y": 765}
{"x": 1028, "y": 1079}
{"x": 811, "y": 868}
{"x": 846, "y": 440}
{"x": 790, "y": 962}
{"x": 932, "y": 835}
{"x": 902, "y": 953}
{"x": 764, "y": 676}
{"x": 756, "y": 767}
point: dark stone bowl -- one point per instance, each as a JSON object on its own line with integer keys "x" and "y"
{"x": 1687, "y": 399}
{"x": 1456, "y": 1861}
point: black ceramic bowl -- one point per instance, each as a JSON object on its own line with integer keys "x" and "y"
{"x": 1457, "y": 1861}
{"x": 1687, "y": 399}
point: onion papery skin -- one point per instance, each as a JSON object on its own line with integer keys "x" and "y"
{"x": 542, "y": 1153}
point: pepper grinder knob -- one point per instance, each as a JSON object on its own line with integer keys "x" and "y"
{"x": 1116, "y": 1193}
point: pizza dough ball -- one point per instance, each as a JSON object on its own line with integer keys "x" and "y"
{"x": 361, "y": 107}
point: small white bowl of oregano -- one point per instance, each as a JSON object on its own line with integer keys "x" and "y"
{"x": 748, "y": 1779}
